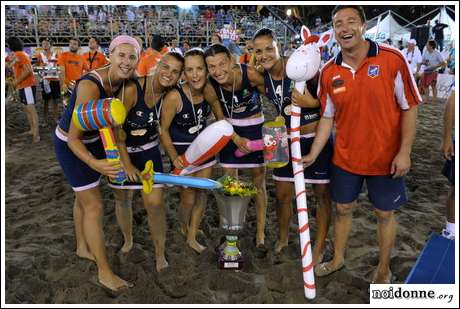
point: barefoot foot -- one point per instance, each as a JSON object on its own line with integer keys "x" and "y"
{"x": 196, "y": 246}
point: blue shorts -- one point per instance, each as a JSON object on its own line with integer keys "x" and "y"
{"x": 449, "y": 170}
{"x": 139, "y": 156}
{"x": 384, "y": 192}
{"x": 27, "y": 95}
{"x": 227, "y": 156}
{"x": 180, "y": 149}
{"x": 80, "y": 176}
{"x": 318, "y": 172}
{"x": 55, "y": 90}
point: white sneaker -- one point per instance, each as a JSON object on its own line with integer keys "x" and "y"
{"x": 445, "y": 233}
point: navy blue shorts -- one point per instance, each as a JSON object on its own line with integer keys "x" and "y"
{"x": 80, "y": 176}
{"x": 384, "y": 192}
{"x": 138, "y": 158}
{"x": 180, "y": 149}
{"x": 318, "y": 172}
{"x": 449, "y": 170}
{"x": 27, "y": 95}
{"x": 227, "y": 156}
{"x": 55, "y": 90}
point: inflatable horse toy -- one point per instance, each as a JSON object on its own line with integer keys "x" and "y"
{"x": 302, "y": 66}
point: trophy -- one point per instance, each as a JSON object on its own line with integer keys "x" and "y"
{"x": 232, "y": 201}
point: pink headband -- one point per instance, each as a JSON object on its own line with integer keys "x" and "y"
{"x": 125, "y": 39}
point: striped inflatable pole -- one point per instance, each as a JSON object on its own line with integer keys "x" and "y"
{"x": 102, "y": 115}
{"x": 303, "y": 65}
{"x": 301, "y": 200}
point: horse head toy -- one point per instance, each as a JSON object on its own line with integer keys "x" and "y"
{"x": 303, "y": 65}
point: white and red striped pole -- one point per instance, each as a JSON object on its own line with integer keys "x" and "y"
{"x": 302, "y": 65}
{"x": 301, "y": 200}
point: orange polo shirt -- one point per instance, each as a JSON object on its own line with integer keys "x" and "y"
{"x": 148, "y": 62}
{"x": 75, "y": 65}
{"x": 367, "y": 107}
{"x": 22, "y": 60}
{"x": 95, "y": 60}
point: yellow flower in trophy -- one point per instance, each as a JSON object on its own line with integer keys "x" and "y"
{"x": 234, "y": 187}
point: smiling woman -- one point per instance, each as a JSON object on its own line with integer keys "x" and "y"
{"x": 184, "y": 115}
{"x": 81, "y": 156}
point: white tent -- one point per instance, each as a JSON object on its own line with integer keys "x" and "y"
{"x": 444, "y": 18}
{"x": 388, "y": 28}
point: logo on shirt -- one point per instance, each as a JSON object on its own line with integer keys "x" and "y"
{"x": 185, "y": 116}
{"x": 373, "y": 71}
{"x": 139, "y": 113}
{"x": 338, "y": 83}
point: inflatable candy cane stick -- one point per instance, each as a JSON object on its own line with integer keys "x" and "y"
{"x": 303, "y": 65}
{"x": 206, "y": 145}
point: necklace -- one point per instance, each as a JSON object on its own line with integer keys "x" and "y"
{"x": 157, "y": 110}
{"x": 233, "y": 95}
{"x": 111, "y": 88}
{"x": 193, "y": 108}
{"x": 278, "y": 102}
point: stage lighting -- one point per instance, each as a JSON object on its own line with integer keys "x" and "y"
{"x": 184, "y": 6}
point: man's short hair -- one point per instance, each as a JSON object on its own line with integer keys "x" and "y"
{"x": 75, "y": 39}
{"x": 15, "y": 44}
{"x": 157, "y": 42}
{"x": 358, "y": 8}
{"x": 432, "y": 43}
{"x": 95, "y": 38}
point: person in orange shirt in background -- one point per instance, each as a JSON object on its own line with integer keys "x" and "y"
{"x": 147, "y": 63}
{"x": 72, "y": 65}
{"x": 24, "y": 82}
{"x": 50, "y": 80}
{"x": 94, "y": 57}
{"x": 248, "y": 57}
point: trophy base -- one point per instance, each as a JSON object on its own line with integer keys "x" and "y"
{"x": 224, "y": 261}
{"x": 230, "y": 264}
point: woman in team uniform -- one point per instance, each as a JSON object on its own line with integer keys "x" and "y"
{"x": 138, "y": 143}
{"x": 235, "y": 87}
{"x": 82, "y": 158}
{"x": 184, "y": 115}
{"x": 281, "y": 92}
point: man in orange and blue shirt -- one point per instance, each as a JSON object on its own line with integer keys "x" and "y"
{"x": 369, "y": 92}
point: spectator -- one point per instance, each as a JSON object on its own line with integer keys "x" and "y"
{"x": 174, "y": 48}
{"x": 185, "y": 47}
{"x": 147, "y": 63}
{"x": 24, "y": 82}
{"x": 94, "y": 57}
{"x": 438, "y": 33}
{"x": 432, "y": 60}
{"x": 72, "y": 65}
{"x": 50, "y": 81}
{"x": 413, "y": 55}
{"x": 290, "y": 49}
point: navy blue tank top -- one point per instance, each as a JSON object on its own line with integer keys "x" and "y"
{"x": 141, "y": 124}
{"x": 281, "y": 98}
{"x": 190, "y": 121}
{"x": 64, "y": 122}
{"x": 244, "y": 103}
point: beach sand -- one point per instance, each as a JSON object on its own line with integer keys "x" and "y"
{"x": 41, "y": 265}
